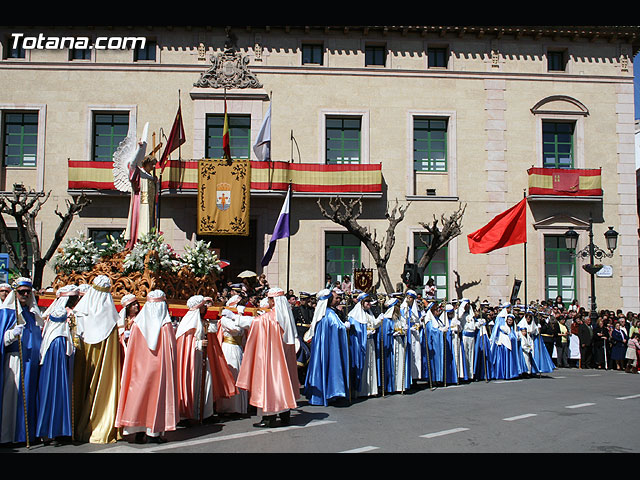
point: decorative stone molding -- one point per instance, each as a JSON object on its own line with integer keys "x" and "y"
{"x": 229, "y": 70}
{"x": 566, "y": 104}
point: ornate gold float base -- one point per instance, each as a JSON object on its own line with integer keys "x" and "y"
{"x": 177, "y": 286}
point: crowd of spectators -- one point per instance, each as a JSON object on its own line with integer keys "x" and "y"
{"x": 573, "y": 337}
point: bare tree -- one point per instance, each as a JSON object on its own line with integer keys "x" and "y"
{"x": 440, "y": 236}
{"x": 346, "y": 213}
{"x": 24, "y": 207}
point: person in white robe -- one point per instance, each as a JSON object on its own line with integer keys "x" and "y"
{"x": 527, "y": 331}
{"x": 469, "y": 325}
{"x": 232, "y": 329}
{"x": 397, "y": 327}
{"x": 410, "y": 313}
{"x": 456, "y": 340}
{"x": 363, "y": 356}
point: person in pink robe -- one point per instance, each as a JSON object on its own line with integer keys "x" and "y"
{"x": 149, "y": 402}
{"x": 269, "y": 367}
{"x": 193, "y": 338}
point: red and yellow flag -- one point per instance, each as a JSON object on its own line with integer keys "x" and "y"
{"x": 225, "y": 134}
{"x": 565, "y": 182}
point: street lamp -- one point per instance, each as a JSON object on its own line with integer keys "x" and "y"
{"x": 592, "y": 251}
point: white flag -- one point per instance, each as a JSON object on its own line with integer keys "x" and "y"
{"x": 262, "y": 146}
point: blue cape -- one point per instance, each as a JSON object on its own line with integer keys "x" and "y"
{"x": 328, "y": 369}
{"x": 30, "y": 339}
{"x": 54, "y": 389}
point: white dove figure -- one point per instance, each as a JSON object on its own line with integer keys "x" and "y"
{"x": 128, "y": 157}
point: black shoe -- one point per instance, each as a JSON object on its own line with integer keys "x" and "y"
{"x": 157, "y": 439}
{"x": 140, "y": 438}
{"x": 285, "y": 417}
{"x": 268, "y": 421}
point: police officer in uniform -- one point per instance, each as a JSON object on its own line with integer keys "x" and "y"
{"x": 302, "y": 314}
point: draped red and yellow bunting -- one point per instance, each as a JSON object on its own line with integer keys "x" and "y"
{"x": 565, "y": 182}
{"x": 304, "y": 177}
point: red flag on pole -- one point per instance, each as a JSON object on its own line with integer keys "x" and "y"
{"x": 507, "y": 228}
{"x": 225, "y": 134}
{"x": 176, "y": 138}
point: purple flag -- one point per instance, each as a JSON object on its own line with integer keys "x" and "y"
{"x": 281, "y": 229}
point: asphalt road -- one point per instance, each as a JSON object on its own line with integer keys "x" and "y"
{"x": 567, "y": 411}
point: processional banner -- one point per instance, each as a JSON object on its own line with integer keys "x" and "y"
{"x": 224, "y": 190}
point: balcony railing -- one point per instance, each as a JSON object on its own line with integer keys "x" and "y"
{"x": 563, "y": 182}
{"x": 306, "y": 178}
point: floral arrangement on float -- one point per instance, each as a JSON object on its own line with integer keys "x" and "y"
{"x": 151, "y": 264}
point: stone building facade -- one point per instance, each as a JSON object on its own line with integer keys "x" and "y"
{"x": 435, "y": 116}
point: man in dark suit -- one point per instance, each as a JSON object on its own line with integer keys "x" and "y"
{"x": 585, "y": 336}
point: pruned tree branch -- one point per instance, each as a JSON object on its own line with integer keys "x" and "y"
{"x": 440, "y": 236}
{"x": 346, "y": 213}
{"x": 24, "y": 206}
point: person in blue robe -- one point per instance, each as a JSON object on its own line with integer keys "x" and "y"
{"x": 506, "y": 364}
{"x": 56, "y": 370}
{"x": 20, "y": 355}
{"x": 328, "y": 370}
{"x": 397, "y": 349}
{"x": 482, "y": 357}
{"x": 440, "y": 344}
{"x": 425, "y": 342}
{"x": 542, "y": 362}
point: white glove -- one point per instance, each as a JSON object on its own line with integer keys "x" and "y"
{"x": 240, "y": 309}
{"x": 127, "y": 334}
{"x": 444, "y": 329}
{"x": 227, "y": 313}
{"x": 11, "y": 335}
{"x": 347, "y": 325}
{"x": 17, "y": 330}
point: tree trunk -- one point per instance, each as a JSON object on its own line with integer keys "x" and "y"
{"x": 24, "y": 207}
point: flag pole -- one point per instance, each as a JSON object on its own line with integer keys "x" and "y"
{"x": 290, "y": 193}
{"x": 270, "y": 164}
{"x": 524, "y": 193}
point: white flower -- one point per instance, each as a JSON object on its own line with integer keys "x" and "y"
{"x": 78, "y": 254}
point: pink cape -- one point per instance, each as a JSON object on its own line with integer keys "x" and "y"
{"x": 269, "y": 368}
{"x": 149, "y": 388}
{"x": 221, "y": 376}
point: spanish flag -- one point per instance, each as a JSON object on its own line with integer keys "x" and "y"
{"x": 225, "y": 134}
{"x": 506, "y": 228}
{"x": 581, "y": 182}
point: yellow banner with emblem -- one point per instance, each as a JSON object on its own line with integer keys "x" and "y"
{"x": 224, "y": 191}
